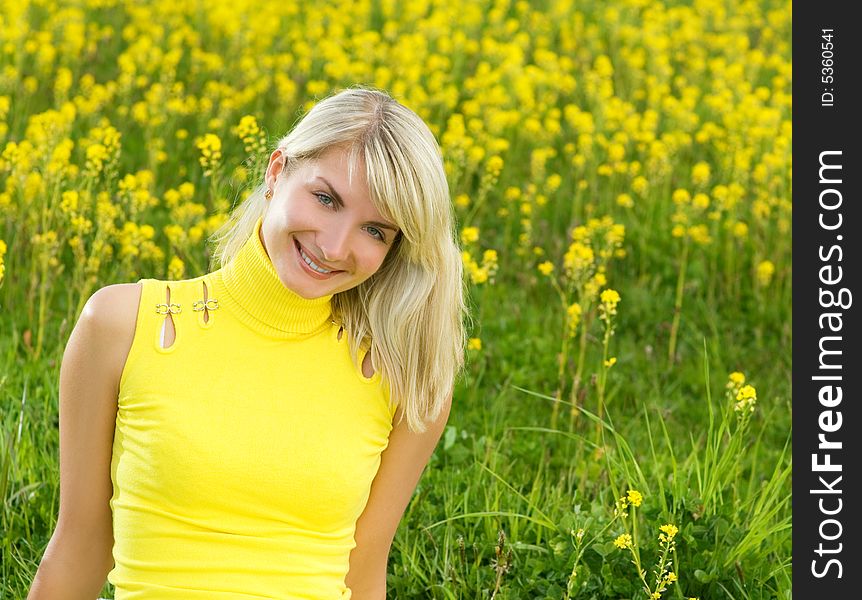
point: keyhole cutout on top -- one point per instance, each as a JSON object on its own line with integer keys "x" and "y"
{"x": 206, "y": 310}
{"x": 169, "y": 334}
{"x": 367, "y": 368}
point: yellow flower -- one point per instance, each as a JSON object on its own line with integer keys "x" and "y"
{"x": 69, "y": 202}
{"x": 640, "y": 185}
{"x": 176, "y": 235}
{"x": 474, "y": 344}
{"x": 253, "y": 138}
{"x": 546, "y": 267}
{"x": 634, "y": 497}
{"x": 176, "y": 269}
{"x": 494, "y": 165}
{"x": 765, "y": 270}
{"x": 700, "y": 201}
{"x": 210, "y": 149}
{"x": 578, "y": 258}
{"x": 573, "y": 313}
{"x": 478, "y": 274}
{"x": 610, "y": 296}
{"x": 469, "y": 235}
{"x": 625, "y": 201}
{"x": 700, "y": 234}
{"x": 668, "y": 532}
{"x": 700, "y": 173}
{"x": 681, "y": 197}
{"x": 609, "y": 299}
{"x": 616, "y": 152}
{"x": 96, "y": 155}
{"x": 747, "y": 391}
{"x": 187, "y": 190}
{"x": 736, "y": 378}
{"x": 2, "y": 265}
{"x": 746, "y": 399}
{"x": 623, "y": 541}
{"x": 611, "y": 362}
{"x": 512, "y": 193}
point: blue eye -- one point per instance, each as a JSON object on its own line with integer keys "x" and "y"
{"x": 379, "y": 233}
{"x": 328, "y": 202}
{"x": 322, "y": 197}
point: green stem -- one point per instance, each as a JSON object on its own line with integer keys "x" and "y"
{"x": 43, "y": 299}
{"x": 561, "y": 369}
{"x": 677, "y": 308}
{"x": 635, "y": 548}
{"x": 603, "y": 375}
{"x": 577, "y": 380}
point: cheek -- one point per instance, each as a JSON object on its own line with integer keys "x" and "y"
{"x": 368, "y": 257}
{"x": 302, "y": 223}
{"x": 378, "y": 256}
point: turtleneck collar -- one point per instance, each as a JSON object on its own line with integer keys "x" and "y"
{"x": 261, "y": 300}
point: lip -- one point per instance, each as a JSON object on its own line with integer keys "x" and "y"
{"x": 305, "y": 266}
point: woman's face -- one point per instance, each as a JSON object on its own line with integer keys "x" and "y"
{"x": 314, "y": 215}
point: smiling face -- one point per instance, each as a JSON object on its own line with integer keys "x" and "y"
{"x": 322, "y": 234}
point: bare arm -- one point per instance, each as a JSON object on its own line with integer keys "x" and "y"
{"x": 78, "y": 557}
{"x": 401, "y": 467}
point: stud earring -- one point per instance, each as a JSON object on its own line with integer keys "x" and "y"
{"x": 268, "y": 195}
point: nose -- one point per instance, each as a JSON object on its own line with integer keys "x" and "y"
{"x": 335, "y": 245}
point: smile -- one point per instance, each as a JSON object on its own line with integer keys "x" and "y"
{"x": 312, "y": 265}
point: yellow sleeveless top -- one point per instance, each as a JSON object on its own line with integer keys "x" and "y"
{"x": 243, "y": 453}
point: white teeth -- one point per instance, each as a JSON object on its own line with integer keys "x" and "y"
{"x": 311, "y": 264}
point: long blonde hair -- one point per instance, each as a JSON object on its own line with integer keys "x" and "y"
{"x": 413, "y": 308}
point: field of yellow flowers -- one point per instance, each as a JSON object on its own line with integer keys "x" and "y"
{"x": 621, "y": 173}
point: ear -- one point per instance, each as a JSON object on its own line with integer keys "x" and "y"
{"x": 276, "y": 165}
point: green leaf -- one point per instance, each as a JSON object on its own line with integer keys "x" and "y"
{"x": 703, "y": 577}
{"x": 449, "y": 437}
{"x": 604, "y": 549}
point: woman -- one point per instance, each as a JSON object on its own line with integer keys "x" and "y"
{"x": 261, "y": 431}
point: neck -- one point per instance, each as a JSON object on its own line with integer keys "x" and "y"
{"x": 262, "y": 301}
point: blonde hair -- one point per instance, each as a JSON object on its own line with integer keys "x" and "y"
{"x": 413, "y": 308}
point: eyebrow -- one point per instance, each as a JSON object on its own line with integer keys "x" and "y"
{"x": 338, "y": 197}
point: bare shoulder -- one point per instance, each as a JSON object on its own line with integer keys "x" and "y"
{"x": 114, "y": 308}
{"x": 110, "y": 315}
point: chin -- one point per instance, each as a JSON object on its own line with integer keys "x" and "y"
{"x": 310, "y": 291}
